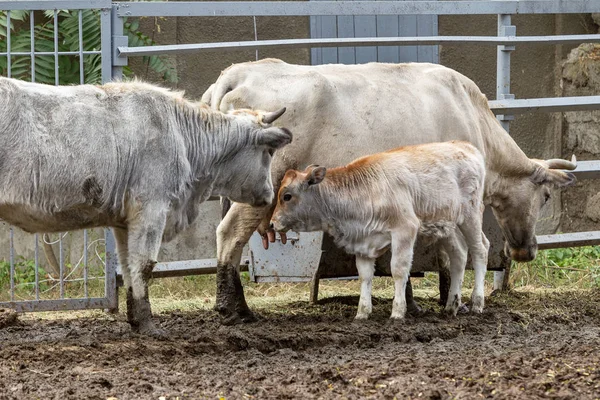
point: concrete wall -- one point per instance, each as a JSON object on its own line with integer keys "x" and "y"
{"x": 536, "y": 72}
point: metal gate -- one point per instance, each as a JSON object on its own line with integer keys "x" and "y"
{"x": 32, "y": 50}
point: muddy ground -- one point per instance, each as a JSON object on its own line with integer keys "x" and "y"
{"x": 523, "y": 346}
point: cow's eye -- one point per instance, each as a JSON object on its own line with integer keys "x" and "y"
{"x": 287, "y": 197}
{"x": 546, "y": 197}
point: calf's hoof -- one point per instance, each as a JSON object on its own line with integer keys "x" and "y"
{"x": 361, "y": 317}
{"x": 463, "y": 309}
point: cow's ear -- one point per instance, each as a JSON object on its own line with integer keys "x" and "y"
{"x": 275, "y": 138}
{"x": 560, "y": 179}
{"x": 316, "y": 175}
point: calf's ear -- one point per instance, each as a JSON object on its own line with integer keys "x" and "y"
{"x": 274, "y": 138}
{"x": 315, "y": 175}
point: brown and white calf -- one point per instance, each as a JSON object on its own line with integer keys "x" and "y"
{"x": 386, "y": 200}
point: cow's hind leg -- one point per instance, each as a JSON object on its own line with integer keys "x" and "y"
{"x": 366, "y": 270}
{"x": 145, "y": 233}
{"x": 403, "y": 242}
{"x": 233, "y": 233}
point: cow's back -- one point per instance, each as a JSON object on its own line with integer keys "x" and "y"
{"x": 341, "y": 112}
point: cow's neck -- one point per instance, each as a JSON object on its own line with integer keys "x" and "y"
{"x": 211, "y": 137}
{"x": 504, "y": 159}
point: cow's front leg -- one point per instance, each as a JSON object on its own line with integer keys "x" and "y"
{"x": 403, "y": 242}
{"x": 233, "y": 233}
{"x": 366, "y": 270}
{"x": 121, "y": 239}
{"x": 145, "y": 233}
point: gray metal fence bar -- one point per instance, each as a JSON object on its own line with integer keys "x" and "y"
{"x": 85, "y": 263}
{"x": 587, "y": 169}
{"x": 12, "y": 263}
{"x": 106, "y": 33}
{"x": 315, "y": 8}
{"x": 8, "y": 44}
{"x": 36, "y": 257}
{"x": 35, "y": 5}
{"x": 562, "y": 240}
{"x": 57, "y": 305}
{"x": 56, "y": 74}
{"x": 80, "y": 32}
{"x": 32, "y": 30}
{"x": 61, "y": 264}
{"x": 555, "y": 104}
{"x": 354, "y": 42}
{"x": 50, "y": 53}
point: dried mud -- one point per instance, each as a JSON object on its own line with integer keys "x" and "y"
{"x": 523, "y": 346}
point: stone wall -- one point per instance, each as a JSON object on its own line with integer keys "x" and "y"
{"x": 581, "y": 77}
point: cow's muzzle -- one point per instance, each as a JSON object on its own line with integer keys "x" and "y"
{"x": 521, "y": 254}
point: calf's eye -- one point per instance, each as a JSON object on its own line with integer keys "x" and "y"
{"x": 287, "y": 197}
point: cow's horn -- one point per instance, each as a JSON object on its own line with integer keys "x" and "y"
{"x": 272, "y": 116}
{"x": 559, "y": 163}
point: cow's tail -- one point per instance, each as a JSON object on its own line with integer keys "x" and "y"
{"x": 225, "y": 206}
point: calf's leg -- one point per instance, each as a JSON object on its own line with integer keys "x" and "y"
{"x": 457, "y": 254}
{"x": 145, "y": 233}
{"x": 403, "y": 242}
{"x": 233, "y": 233}
{"x": 366, "y": 270}
{"x": 479, "y": 247}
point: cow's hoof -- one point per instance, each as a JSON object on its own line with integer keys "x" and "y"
{"x": 414, "y": 309}
{"x": 235, "y": 318}
{"x": 152, "y": 331}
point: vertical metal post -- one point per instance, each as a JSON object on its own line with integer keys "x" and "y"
{"x": 255, "y": 35}
{"x": 8, "y": 56}
{"x": 61, "y": 263}
{"x": 81, "y": 71}
{"x": 117, "y": 38}
{"x": 85, "y": 263}
{"x": 12, "y": 264}
{"x": 503, "y": 93}
{"x": 32, "y": 33}
{"x": 37, "y": 267}
{"x": 110, "y": 278}
{"x": 56, "y": 74}
{"x": 106, "y": 46}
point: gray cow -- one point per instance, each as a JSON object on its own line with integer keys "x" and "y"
{"x": 130, "y": 156}
{"x": 341, "y": 112}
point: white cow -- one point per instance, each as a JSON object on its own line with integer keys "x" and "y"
{"x": 384, "y": 201}
{"x": 130, "y": 156}
{"x": 341, "y": 112}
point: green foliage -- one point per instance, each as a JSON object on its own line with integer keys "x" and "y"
{"x": 24, "y": 276}
{"x": 68, "y": 40}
